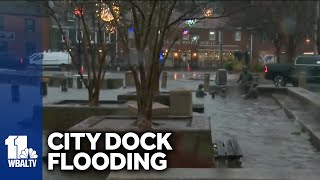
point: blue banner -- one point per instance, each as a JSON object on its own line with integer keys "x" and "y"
{"x": 20, "y": 93}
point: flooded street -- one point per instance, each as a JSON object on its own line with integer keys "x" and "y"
{"x": 268, "y": 139}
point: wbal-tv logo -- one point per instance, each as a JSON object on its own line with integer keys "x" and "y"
{"x": 19, "y": 155}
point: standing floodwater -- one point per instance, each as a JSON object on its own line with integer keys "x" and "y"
{"x": 268, "y": 139}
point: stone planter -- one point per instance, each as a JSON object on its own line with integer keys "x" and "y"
{"x": 162, "y": 98}
{"x": 112, "y": 84}
{"x": 64, "y": 114}
{"x": 191, "y": 139}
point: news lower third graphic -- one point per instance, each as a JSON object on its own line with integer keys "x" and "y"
{"x": 19, "y": 154}
{"x": 108, "y": 147}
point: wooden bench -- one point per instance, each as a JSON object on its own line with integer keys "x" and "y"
{"x": 228, "y": 153}
{"x": 199, "y": 108}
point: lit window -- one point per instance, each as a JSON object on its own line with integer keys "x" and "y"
{"x": 212, "y": 36}
{"x": 185, "y": 36}
{"x": 237, "y": 36}
{"x": 29, "y": 25}
{"x": 79, "y": 36}
{"x": 71, "y": 16}
{"x": 93, "y": 37}
{"x": 66, "y": 34}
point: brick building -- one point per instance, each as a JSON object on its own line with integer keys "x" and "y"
{"x": 24, "y": 28}
{"x": 200, "y": 47}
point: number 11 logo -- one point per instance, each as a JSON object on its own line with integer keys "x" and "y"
{"x": 19, "y": 155}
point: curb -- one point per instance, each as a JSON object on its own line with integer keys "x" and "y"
{"x": 314, "y": 137}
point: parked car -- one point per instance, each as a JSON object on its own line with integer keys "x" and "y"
{"x": 61, "y": 60}
{"x": 13, "y": 62}
{"x": 281, "y": 74}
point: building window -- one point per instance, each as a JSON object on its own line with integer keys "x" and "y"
{"x": 3, "y": 48}
{"x": 263, "y": 38}
{"x": 1, "y": 23}
{"x": 237, "y": 36}
{"x": 93, "y": 37}
{"x": 30, "y": 25}
{"x": 212, "y": 36}
{"x": 107, "y": 37}
{"x": 66, "y": 34}
{"x": 30, "y": 48}
{"x": 71, "y": 16}
{"x": 79, "y": 36}
{"x": 131, "y": 33}
{"x": 186, "y": 37}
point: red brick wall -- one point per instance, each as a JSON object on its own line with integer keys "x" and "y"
{"x": 16, "y": 24}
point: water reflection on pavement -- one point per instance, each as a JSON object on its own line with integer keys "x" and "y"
{"x": 267, "y": 137}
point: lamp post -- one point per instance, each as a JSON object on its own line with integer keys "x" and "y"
{"x": 316, "y": 28}
{"x": 220, "y": 49}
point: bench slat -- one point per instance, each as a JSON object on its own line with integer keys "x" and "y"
{"x": 221, "y": 149}
{"x": 229, "y": 149}
{"x": 236, "y": 146}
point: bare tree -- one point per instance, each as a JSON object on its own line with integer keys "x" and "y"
{"x": 90, "y": 51}
{"x": 286, "y": 23}
{"x": 154, "y": 23}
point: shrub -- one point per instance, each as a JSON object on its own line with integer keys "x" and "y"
{"x": 237, "y": 66}
{"x": 228, "y": 65}
{"x": 256, "y": 67}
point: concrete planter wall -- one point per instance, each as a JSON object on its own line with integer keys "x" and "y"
{"x": 55, "y": 81}
{"x": 191, "y": 139}
{"x": 64, "y": 114}
{"x": 162, "y": 98}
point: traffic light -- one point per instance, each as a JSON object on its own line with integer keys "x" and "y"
{"x": 78, "y": 12}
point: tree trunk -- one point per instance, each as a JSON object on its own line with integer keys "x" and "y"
{"x": 144, "y": 119}
{"x": 94, "y": 99}
{"x": 291, "y": 48}
{"x": 277, "y": 45}
{"x": 94, "y": 94}
{"x": 318, "y": 41}
{"x": 156, "y": 89}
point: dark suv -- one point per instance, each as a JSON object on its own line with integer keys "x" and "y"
{"x": 281, "y": 74}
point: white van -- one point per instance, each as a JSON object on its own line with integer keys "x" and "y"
{"x": 61, "y": 60}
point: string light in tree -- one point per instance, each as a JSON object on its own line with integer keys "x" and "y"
{"x": 208, "y": 12}
{"x": 106, "y": 14}
{"x": 191, "y": 22}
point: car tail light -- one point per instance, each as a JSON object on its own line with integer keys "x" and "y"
{"x": 266, "y": 69}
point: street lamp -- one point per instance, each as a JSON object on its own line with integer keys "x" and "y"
{"x": 307, "y": 40}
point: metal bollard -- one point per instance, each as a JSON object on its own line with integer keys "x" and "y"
{"x": 206, "y": 82}
{"x": 79, "y": 83}
{"x": 129, "y": 80}
{"x": 44, "y": 88}
{"x": 164, "y": 80}
{"x": 64, "y": 85}
{"x": 302, "y": 80}
{"x": 15, "y": 93}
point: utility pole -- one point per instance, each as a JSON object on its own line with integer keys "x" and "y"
{"x": 316, "y": 28}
